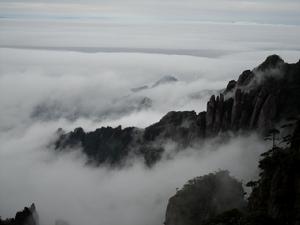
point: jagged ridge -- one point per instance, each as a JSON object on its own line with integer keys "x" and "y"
{"x": 258, "y": 100}
{"x": 275, "y": 199}
{"x": 28, "y": 216}
{"x": 203, "y": 198}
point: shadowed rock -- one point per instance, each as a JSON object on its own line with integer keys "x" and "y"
{"x": 275, "y": 199}
{"x": 28, "y": 216}
{"x": 203, "y": 198}
{"x": 271, "y": 61}
{"x": 258, "y": 100}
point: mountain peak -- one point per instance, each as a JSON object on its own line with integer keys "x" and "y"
{"x": 244, "y": 108}
{"x": 28, "y": 216}
{"x": 271, "y": 61}
{"x": 245, "y": 78}
{"x": 165, "y": 80}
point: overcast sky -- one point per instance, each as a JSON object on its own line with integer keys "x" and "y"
{"x": 263, "y": 11}
{"x": 225, "y": 26}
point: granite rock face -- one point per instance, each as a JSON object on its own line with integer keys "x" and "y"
{"x": 104, "y": 145}
{"x": 203, "y": 198}
{"x": 112, "y": 146}
{"x": 275, "y": 197}
{"x": 258, "y": 100}
{"x": 28, "y": 216}
{"x": 277, "y": 192}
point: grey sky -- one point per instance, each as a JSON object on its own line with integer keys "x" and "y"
{"x": 267, "y": 11}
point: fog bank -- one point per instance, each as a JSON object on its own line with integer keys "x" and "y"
{"x": 63, "y": 188}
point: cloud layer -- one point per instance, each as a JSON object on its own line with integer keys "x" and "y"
{"x": 63, "y": 188}
{"x": 274, "y": 11}
{"x": 71, "y": 63}
{"x": 60, "y": 185}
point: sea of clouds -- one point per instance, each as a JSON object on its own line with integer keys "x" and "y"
{"x": 81, "y": 72}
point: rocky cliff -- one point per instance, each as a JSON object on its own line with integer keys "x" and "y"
{"x": 203, "y": 198}
{"x": 275, "y": 199}
{"x": 258, "y": 100}
{"x": 277, "y": 192}
{"x": 28, "y": 216}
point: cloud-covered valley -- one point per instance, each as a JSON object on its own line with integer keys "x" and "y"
{"x": 63, "y": 188}
{"x": 69, "y": 72}
{"x": 98, "y": 86}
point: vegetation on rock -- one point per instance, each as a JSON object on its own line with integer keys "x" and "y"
{"x": 28, "y": 216}
{"x": 257, "y": 101}
{"x": 275, "y": 199}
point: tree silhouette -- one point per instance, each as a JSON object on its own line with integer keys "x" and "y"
{"x": 290, "y": 125}
{"x": 273, "y": 136}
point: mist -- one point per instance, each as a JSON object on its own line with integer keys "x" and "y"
{"x": 63, "y": 187}
{"x": 72, "y": 63}
{"x": 98, "y": 86}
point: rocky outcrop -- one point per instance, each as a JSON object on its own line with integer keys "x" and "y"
{"x": 162, "y": 81}
{"x": 277, "y": 192}
{"x": 28, "y": 216}
{"x": 165, "y": 80}
{"x": 275, "y": 198}
{"x": 271, "y": 62}
{"x": 258, "y": 100}
{"x": 182, "y": 126}
{"x": 104, "y": 145}
{"x": 112, "y": 145}
{"x": 203, "y": 198}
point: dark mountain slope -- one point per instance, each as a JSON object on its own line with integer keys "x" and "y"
{"x": 105, "y": 144}
{"x": 275, "y": 199}
{"x": 277, "y": 192}
{"x": 203, "y": 198}
{"x": 258, "y": 100}
{"x": 28, "y": 216}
